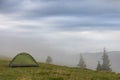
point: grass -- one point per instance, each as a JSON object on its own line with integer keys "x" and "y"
{"x": 52, "y": 72}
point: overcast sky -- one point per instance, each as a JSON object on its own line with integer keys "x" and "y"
{"x": 55, "y": 26}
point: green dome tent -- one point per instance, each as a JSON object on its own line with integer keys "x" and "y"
{"x": 23, "y": 60}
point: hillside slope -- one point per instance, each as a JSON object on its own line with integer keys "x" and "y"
{"x": 52, "y": 72}
{"x": 2, "y": 57}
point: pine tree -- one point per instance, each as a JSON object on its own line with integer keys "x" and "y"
{"x": 49, "y": 60}
{"x": 81, "y": 63}
{"x": 106, "y": 61}
{"x": 99, "y": 67}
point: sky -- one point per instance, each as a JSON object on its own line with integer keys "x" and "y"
{"x": 47, "y": 27}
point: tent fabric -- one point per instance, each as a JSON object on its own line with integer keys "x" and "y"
{"x": 23, "y": 60}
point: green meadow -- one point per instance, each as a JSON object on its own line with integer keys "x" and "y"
{"x": 52, "y": 72}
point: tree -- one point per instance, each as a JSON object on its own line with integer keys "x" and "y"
{"x": 106, "y": 61}
{"x": 99, "y": 67}
{"x": 49, "y": 60}
{"x": 81, "y": 63}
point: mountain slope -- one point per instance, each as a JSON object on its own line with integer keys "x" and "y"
{"x": 52, "y": 72}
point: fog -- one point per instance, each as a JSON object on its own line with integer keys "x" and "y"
{"x": 46, "y": 28}
{"x": 40, "y": 49}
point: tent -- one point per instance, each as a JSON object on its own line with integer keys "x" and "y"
{"x": 23, "y": 60}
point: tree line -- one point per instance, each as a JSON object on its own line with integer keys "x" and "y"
{"x": 81, "y": 64}
{"x": 104, "y": 66}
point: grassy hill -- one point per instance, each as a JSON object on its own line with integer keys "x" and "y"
{"x": 52, "y": 72}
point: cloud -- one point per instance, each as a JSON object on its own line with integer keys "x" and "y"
{"x": 65, "y": 25}
{"x": 72, "y": 15}
{"x": 7, "y": 6}
{"x": 76, "y": 8}
{"x": 59, "y": 24}
{"x": 36, "y": 9}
